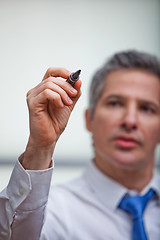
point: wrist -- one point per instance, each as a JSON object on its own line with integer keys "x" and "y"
{"x": 37, "y": 157}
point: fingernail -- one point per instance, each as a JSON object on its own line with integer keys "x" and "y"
{"x": 69, "y": 100}
{"x": 73, "y": 90}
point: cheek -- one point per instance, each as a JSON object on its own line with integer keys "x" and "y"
{"x": 156, "y": 136}
{"x": 152, "y": 133}
{"x": 102, "y": 127}
{"x": 106, "y": 119}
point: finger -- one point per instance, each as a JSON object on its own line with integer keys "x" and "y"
{"x": 54, "y": 72}
{"x": 57, "y": 85}
{"x": 57, "y": 72}
{"x": 43, "y": 98}
{"x": 55, "y": 89}
{"x": 77, "y": 86}
{"x": 63, "y": 84}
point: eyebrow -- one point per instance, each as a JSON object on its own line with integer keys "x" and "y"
{"x": 142, "y": 101}
{"x": 149, "y": 103}
{"x": 114, "y": 96}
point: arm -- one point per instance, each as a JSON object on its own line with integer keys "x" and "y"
{"x": 50, "y": 104}
{"x": 23, "y": 202}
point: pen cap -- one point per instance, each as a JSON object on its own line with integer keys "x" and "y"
{"x": 73, "y": 78}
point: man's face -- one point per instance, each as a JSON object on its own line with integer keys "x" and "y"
{"x": 126, "y": 122}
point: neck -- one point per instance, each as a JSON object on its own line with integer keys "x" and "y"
{"x": 135, "y": 179}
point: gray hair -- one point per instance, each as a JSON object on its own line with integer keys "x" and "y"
{"x": 124, "y": 60}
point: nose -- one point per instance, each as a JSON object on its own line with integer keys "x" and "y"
{"x": 130, "y": 117}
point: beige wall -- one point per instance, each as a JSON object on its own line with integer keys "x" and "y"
{"x": 74, "y": 34}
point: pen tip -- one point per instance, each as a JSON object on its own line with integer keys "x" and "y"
{"x": 76, "y": 74}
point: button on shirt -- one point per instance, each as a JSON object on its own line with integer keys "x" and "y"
{"x": 87, "y": 209}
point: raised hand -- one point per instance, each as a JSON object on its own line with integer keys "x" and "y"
{"x": 50, "y": 104}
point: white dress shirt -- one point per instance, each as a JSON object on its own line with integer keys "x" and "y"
{"x": 84, "y": 209}
{"x": 87, "y": 209}
{"x": 22, "y": 204}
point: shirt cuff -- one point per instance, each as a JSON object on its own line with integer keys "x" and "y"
{"x": 28, "y": 189}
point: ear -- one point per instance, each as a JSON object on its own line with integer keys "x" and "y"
{"x": 88, "y": 120}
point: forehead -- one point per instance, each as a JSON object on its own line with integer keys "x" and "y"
{"x": 133, "y": 84}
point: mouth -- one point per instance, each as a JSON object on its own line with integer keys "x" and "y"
{"x": 126, "y": 142}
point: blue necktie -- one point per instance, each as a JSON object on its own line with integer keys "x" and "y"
{"x": 135, "y": 206}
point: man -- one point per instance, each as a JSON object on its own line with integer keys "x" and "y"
{"x": 124, "y": 119}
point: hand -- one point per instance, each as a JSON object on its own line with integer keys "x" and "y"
{"x": 50, "y": 104}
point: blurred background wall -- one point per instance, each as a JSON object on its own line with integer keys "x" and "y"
{"x": 73, "y": 34}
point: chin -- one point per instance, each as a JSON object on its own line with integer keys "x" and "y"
{"x": 121, "y": 159}
{"x": 127, "y": 160}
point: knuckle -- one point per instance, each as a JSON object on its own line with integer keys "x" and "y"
{"x": 46, "y": 92}
{"x": 57, "y": 97}
{"x": 49, "y": 79}
{"x": 28, "y": 93}
{"x": 48, "y": 84}
{"x": 50, "y": 70}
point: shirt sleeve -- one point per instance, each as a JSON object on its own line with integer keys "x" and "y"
{"x": 23, "y": 202}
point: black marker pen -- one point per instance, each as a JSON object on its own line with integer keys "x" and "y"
{"x": 73, "y": 78}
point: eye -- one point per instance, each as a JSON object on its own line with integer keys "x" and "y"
{"x": 147, "y": 109}
{"x": 114, "y": 103}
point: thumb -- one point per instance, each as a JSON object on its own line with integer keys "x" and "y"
{"x": 77, "y": 86}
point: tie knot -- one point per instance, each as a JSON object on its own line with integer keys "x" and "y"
{"x": 135, "y": 205}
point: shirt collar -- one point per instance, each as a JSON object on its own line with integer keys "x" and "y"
{"x": 154, "y": 184}
{"x": 110, "y": 192}
{"x": 106, "y": 190}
